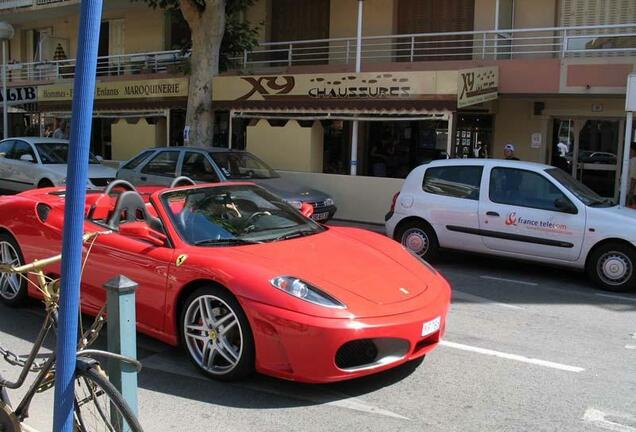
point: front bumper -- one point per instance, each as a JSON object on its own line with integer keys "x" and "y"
{"x": 328, "y": 210}
{"x": 304, "y": 348}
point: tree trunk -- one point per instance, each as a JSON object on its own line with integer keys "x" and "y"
{"x": 207, "y": 27}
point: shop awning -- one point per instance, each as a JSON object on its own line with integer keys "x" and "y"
{"x": 340, "y": 107}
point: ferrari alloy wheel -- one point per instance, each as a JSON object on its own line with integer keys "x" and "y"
{"x": 12, "y": 286}
{"x": 216, "y": 334}
{"x": 418, "y": 238}
{"x": 612, "y": 267}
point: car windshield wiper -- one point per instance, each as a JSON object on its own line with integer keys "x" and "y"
{"x": 295, "y": 234}
{"x": 601, "y": 201}
{"x": 225, "y": 241}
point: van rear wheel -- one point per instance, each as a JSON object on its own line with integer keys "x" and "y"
{"x": 612, "y": 267}
{"x": 419, "y": 238}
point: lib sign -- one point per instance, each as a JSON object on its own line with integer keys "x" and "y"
{"x": 477, "y": 85}
{"x": 19, "y": 95}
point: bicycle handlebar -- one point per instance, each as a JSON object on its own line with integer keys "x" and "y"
{"x": 39, "y": 264}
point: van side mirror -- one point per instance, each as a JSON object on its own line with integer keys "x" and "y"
{"x": 307, "y": 209}
{"x": 565, "y": 206}
{"x": 99, "y": 158}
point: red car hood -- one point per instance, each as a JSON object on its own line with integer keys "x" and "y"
{"x": 346, "y": 262}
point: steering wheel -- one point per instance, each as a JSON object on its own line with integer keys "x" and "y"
{"x": 121, "y": 183}
{"x": 182, "y": 180}
{"x": 251, "y": 217}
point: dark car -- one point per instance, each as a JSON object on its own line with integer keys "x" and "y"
{"x": 160, "y": 166}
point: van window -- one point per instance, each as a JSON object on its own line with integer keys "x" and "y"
{"x": 454, "y": 181}
{"x": 523, "y": 188}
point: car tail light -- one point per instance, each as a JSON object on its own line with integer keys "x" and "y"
{"x": 395, "y": 197}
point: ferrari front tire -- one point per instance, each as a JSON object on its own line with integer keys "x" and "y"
{"x": 13, "y": 287}
{"x": 216, "y": 334}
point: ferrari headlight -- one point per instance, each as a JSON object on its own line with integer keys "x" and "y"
{"x": 304, "y": 291}
{"x": 295, "y": 203}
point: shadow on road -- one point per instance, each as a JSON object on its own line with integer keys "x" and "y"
{"x": 511, "y": 281}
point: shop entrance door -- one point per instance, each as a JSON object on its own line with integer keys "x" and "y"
{"x": 590, "y": 150}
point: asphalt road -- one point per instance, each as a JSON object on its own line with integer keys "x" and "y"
{"x": 528, "y": 348}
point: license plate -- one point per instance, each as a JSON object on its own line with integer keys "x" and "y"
{"x": 320, "y": 216}
{"x": 431, "y": 326}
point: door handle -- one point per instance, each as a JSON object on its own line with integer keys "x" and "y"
{"x": 492, "y": 213}
{"x": 143, "y": 178}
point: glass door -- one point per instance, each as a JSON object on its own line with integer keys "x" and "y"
{"x": 590, "y": 150}
{"x": 600, "y": 146}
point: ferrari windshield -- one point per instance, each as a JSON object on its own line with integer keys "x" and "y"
{"x": 57, "y": 153}
{"x": 234, "y": 215}
{"x": 242, "y": 165}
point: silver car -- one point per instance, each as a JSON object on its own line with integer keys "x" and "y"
{"x": 160, "y": 166}
{"x": 29, "y": 162}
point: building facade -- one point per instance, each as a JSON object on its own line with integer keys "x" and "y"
{"x": 452, "y": 78}
{"x": 142, "y": 85}
{"x": 547, "y": 76}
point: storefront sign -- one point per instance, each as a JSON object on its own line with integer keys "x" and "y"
{"x": 477, "y": 85}
{"x": 20, "y": 95}
{"x": 368, "y": 85}
{"x": 147, "y": 89}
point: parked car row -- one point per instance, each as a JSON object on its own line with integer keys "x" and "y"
{"x": 42, "y": 162}
{"x": 527, "y": 211}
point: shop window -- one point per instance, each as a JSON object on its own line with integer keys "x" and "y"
{"x": 394, "y": 148}
{"x": 453, "y": 181}
{"x": 163, "y": 164}
{"x": 336, "y": 146}
{"x": 473, "y": 136}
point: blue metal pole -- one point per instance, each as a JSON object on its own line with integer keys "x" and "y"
{"x": 82, "y": 116}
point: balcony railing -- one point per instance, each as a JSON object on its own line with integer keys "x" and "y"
{"x": 563, "y": 42}
{"x": 128, "y": 64}
{"x": 12, "y": 4}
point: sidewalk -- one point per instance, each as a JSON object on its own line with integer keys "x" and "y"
{"x": 368, "y": 226}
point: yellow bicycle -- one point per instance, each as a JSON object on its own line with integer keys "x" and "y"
{"x": 98, "y": 405}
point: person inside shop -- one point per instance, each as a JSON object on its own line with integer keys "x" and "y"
{"x": 509, "y": 152}
{"x": 380, "y": 154}
{"x": 60, "y": 132}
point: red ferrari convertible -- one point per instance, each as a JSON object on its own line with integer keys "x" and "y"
{"x": 241, "y": 279}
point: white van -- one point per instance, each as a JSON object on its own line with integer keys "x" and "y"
{"x": 519, "y": 210}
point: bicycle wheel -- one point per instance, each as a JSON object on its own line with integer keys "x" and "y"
{"x": 99, "y": 406}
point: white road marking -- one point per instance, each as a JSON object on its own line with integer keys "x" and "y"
{"x": 599, "y": 418}
{"x": 515, "y": 357}
{"x": 326, "y": 398}
{"x": 618, "y": 297}
{"x": 630, "y": 347}
{"x": 509, "y": 280}
{"x": 168, "y": 362}
{"x": 478, "y": 299}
